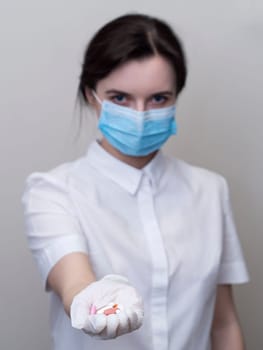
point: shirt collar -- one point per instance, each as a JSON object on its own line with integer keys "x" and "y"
{"x": 123, "y": 174}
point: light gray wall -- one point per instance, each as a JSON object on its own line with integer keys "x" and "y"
{"x": 219, "y": 115}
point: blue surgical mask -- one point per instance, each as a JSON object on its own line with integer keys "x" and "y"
{"x": 136, "y": 133}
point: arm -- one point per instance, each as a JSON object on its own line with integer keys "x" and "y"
{"x": 60, "y": 248}
{"x": 69, "y": 276}
{"x": 74, "y": 282}
{"x": 226, "y": 332}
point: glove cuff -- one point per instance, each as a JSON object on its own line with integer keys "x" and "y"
{"x": 116, "y": 278}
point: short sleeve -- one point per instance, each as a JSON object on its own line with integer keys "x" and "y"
{"x": 52, "y": 227}
{"x": 233, "y": 268}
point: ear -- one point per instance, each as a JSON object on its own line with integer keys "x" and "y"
{"x": 90, "y": 97}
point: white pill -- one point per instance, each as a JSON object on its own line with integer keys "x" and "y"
{"x": 103, "y": 308}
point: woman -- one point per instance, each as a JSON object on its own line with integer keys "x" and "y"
{"x": 129, "y": 226}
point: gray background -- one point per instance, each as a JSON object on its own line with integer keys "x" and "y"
{"x": 219, "y": 115}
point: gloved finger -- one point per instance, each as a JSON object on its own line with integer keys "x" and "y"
{"x": 112, "y": 325}
{"x": 110, "y": 330}
{"x": 116, "y": 278}
{"x": 78, "y": 314}
{"x": 140, "y": 314}
{"x": 124, "y": 326}
{"x": 95, "y": 324}
{"x": 135, "y": 319}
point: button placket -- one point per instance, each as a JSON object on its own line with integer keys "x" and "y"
{"x": 159, "y": 262}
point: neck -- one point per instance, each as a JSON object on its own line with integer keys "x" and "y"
{"x": 136, "y": 162}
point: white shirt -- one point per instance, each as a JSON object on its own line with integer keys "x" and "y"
{"x": 168, "y": 227}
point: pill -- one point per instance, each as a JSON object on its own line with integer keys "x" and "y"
{"x": 105, "y": 307}
{"x": 110, "y": 311}
{"x": 119, "y": 308}
{"x": 93, "y": 310}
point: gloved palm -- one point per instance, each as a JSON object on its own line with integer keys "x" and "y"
{"x": 110, "y": 289}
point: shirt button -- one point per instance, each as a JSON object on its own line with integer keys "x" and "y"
{"x": 150, "y": 182}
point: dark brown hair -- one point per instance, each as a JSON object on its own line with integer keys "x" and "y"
{"x": 132, "y": 36}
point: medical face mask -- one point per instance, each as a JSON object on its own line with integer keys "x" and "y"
{"x": 136, "y": 133}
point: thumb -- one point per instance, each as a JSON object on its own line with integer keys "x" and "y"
{"x": 95, "y": 324}
{"x": 78, "y": 314}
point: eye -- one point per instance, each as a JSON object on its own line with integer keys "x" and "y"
{"x": 159, "y": 99}
{"x": 119, "y": 99}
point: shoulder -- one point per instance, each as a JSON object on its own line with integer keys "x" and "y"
{"x": 50, "y": 185}
{"x": 195, "y": 177}
{"x": 56, "y": 177}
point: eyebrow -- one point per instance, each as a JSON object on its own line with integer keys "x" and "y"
{"x": 113, "y": 91}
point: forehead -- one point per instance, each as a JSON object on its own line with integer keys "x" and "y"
{"x": 144, "y": 76}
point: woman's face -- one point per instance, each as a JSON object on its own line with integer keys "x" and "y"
{"x": 139, "y": 84}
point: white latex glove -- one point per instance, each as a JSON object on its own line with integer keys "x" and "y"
{"x": 110, "y": 289}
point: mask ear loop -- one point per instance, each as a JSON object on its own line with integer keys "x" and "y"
{"x": 96, "y": 97}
